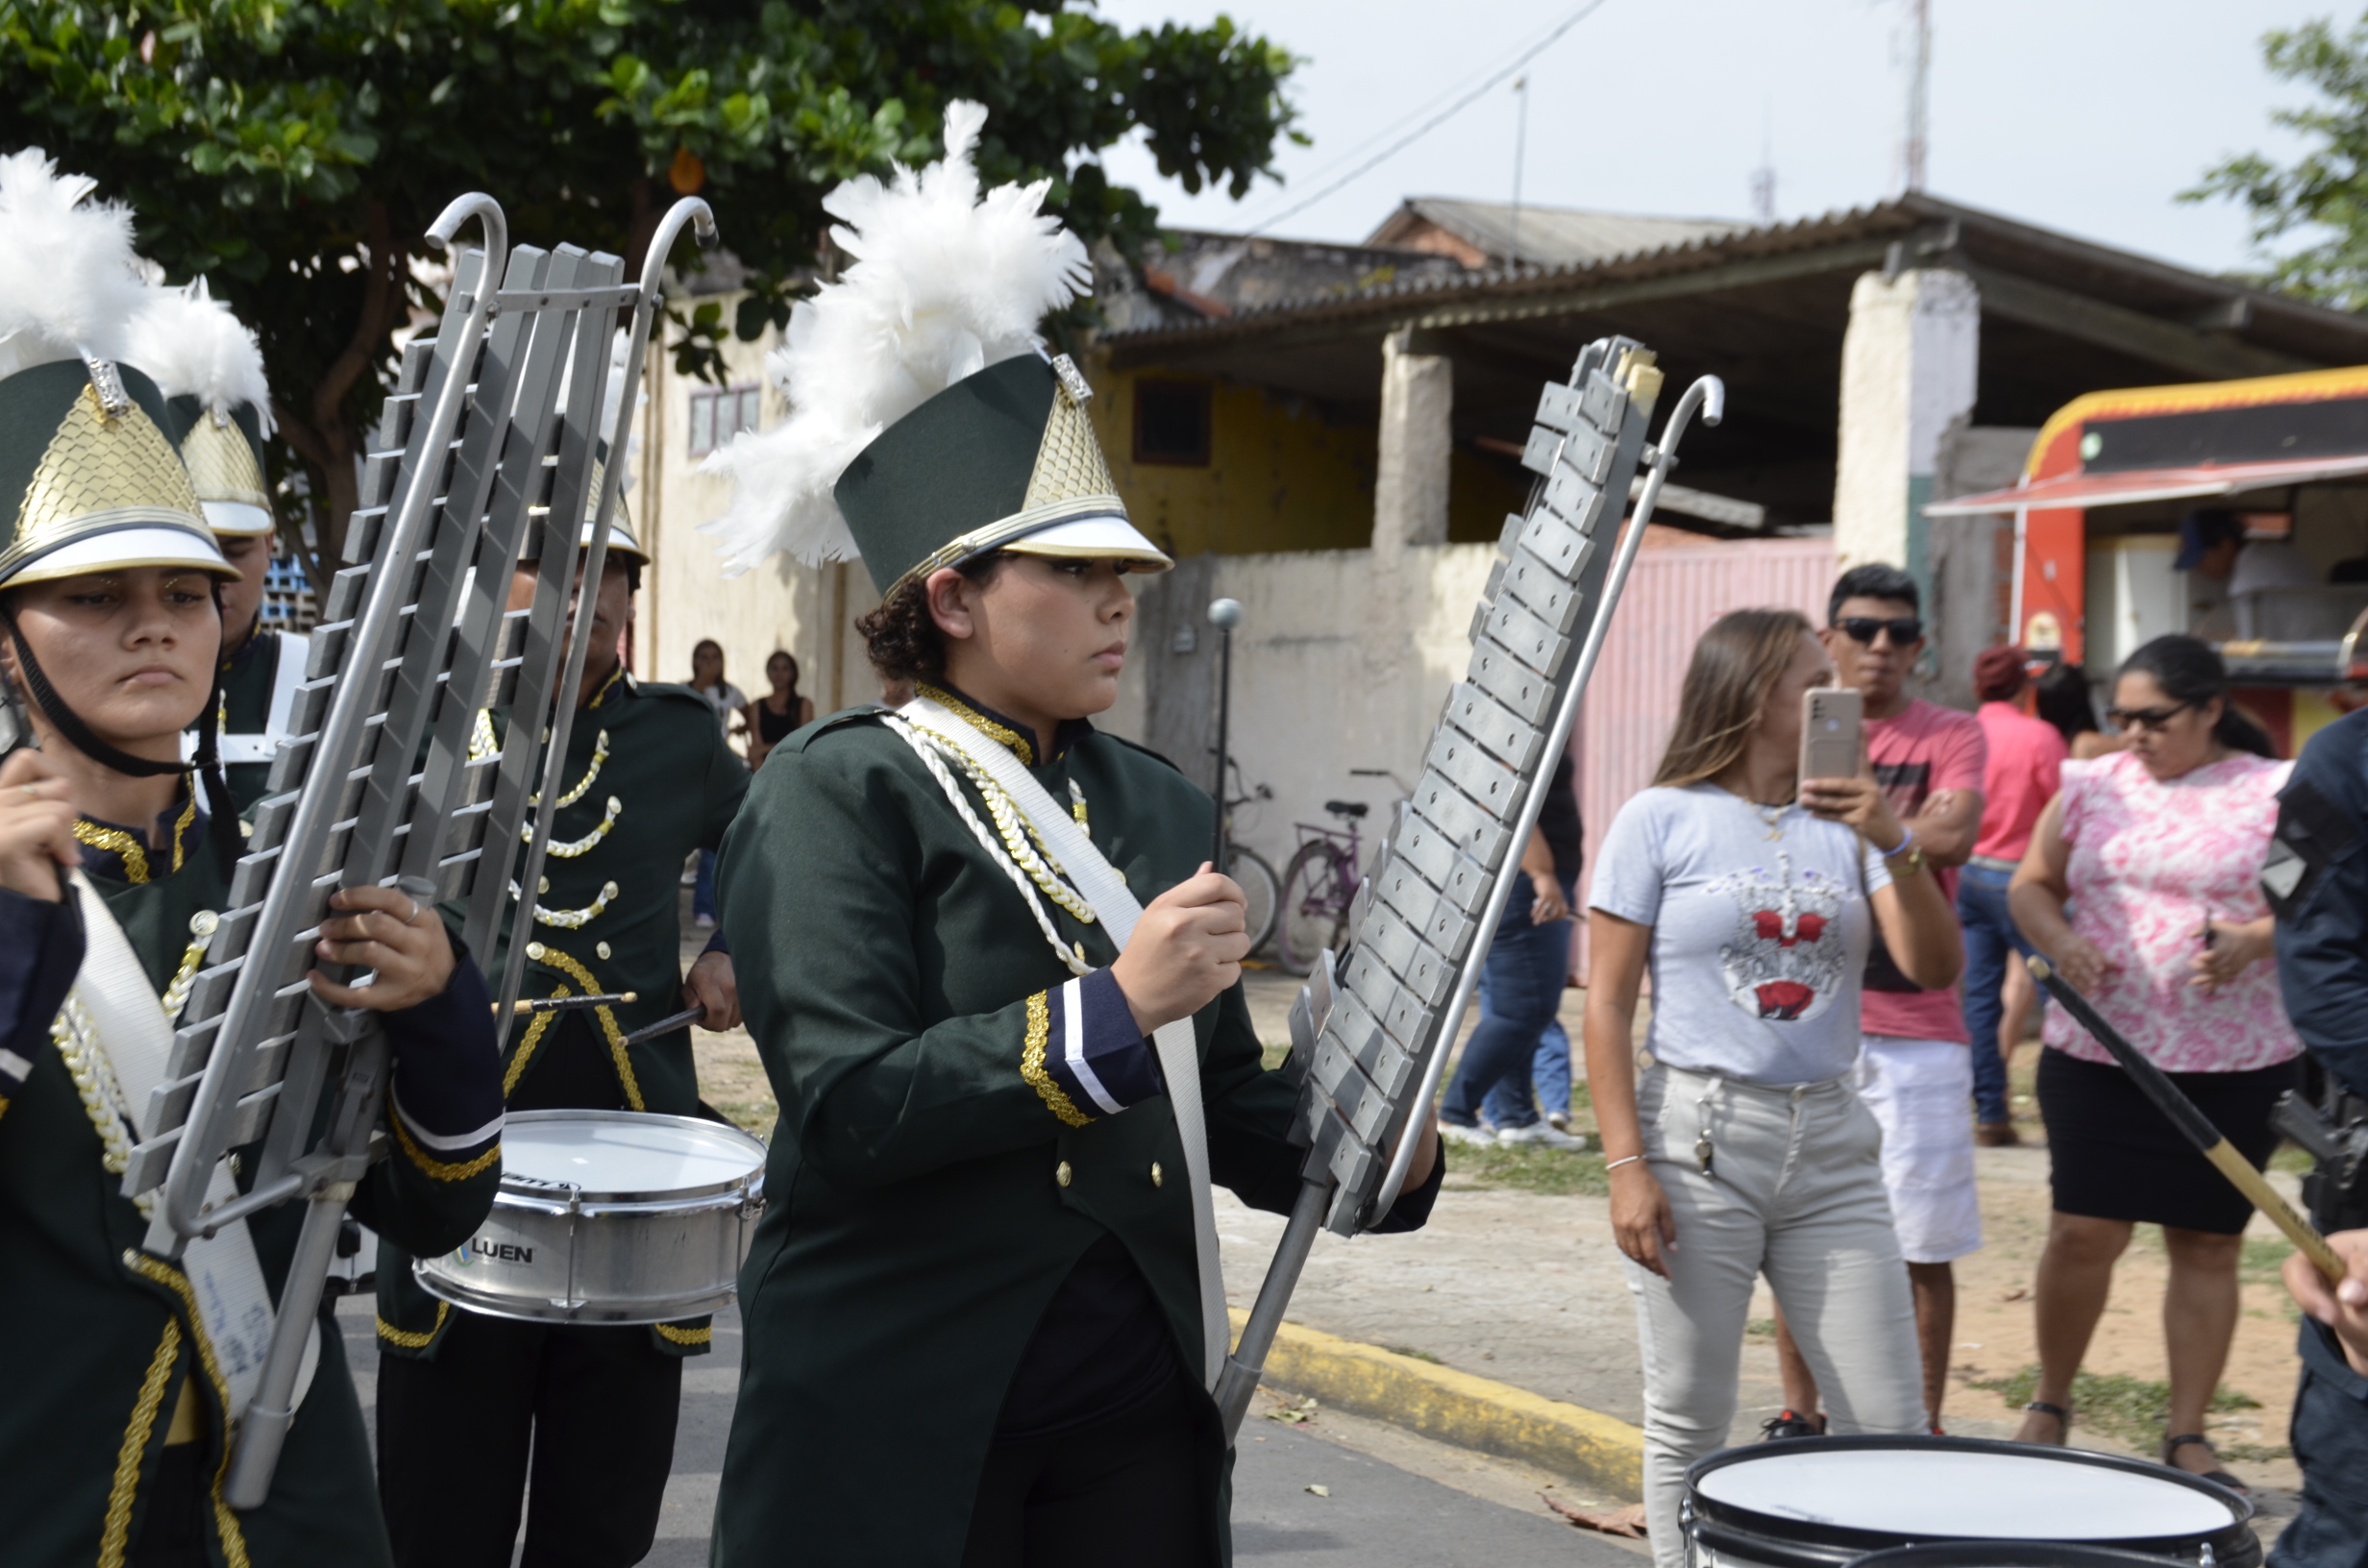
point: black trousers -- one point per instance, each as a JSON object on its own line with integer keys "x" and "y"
{"x": 1131, "y": 1489}
{"x": 593, "y": 1408}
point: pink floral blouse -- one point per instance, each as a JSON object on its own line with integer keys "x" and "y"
{"x": 2149, "y": 860}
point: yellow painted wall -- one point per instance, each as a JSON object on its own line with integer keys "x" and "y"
{"x": 1277, "y": 478}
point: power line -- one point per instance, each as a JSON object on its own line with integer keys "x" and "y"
{"x": 1436, "y": 120}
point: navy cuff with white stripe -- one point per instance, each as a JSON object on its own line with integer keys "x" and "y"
{"x": 1095, "y": 1051}
{"x": 41, "y": 953}
{"x": 448, "y": 1076}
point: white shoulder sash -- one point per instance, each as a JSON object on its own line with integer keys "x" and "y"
{"x": 1118, "y": 910}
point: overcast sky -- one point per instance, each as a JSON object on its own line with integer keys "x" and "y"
{"x": 2084, "y": 116}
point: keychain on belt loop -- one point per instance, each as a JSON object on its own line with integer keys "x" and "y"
{"x": 1702, "y": 1128}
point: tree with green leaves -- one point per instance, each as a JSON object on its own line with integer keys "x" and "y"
{"x": 293, "y": 151}
{"x": 2325, "y": 193}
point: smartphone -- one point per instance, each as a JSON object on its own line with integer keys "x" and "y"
{"x": 1830, "y": 733}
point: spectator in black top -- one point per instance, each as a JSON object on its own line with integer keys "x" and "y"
{"x": 1520, "y": 991}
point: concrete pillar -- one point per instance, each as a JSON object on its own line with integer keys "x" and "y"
{"x": 1909, "y": 362}
{"x": 1409, "y": 485}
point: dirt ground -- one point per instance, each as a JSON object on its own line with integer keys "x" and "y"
{"x": 1514, "y": 1279}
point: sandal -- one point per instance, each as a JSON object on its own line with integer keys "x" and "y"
{"x": 2219, "y": 1477}
{"x": 2063, "y": 1420}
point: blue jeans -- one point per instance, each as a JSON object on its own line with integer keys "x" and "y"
{"x": 1522, "y": 989}
{"x": 702, "y": 892}
{"x": 1510, "y": 1104}
{"x": 1990, "y": 936}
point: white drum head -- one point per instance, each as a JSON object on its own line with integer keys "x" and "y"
{"x": 622, "y": 1155}
{"x": 1967, "y": 1496}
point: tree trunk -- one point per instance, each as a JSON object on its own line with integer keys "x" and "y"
{"x": 324, "y": 430}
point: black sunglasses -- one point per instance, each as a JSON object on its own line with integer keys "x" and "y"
{"x": 1862, "y": 629}
{"x": 2153, "y": 719}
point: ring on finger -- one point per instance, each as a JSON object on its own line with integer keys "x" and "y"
{"x": 413, "y": 917}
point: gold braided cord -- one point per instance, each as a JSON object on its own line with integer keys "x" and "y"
{"x": 684, "y": 1337}
{"x": 1019, "y": 837}
{"x": 545, "y": 954}
{"x": 411, "y": 1340}
{"x": 1076, "y": 808}
{"x": 189, "y": 814}
{"x": 571, "y": 920}
{"x": 1032, "y": 1063}
{"x": 614, "y": 675}
{"x": 483, "y": 746}
{"x": 532, "y": 1037}
{"x": 84, "y": 1056}
{"x": 581, "y": 846}
{"x": 115, "y": 1539}
{"x": 226, "y": 1523}
{"x": 979, "y": 722}
{"x": 134, "y": 852}
{"x": 584, "y": 785}
{"x": 443, "y": 1171}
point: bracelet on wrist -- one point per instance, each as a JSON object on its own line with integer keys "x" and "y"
{"x": 1612, "y": 1165}
{"x": 1906, "y": 843}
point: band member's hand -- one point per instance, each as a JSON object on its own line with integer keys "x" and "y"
{"x": 1858, "y": 802}
{"x": 1640, "y": 1220}
{"x": 382, "y": 929}
{"x": 1187, "y": 949}
{"x": 2235, "y": 948}
{"x": 2342, "y": 1308}
{"x": 2082, "y": 962}
{"x": 1548, "y": 904}
{"x": 711, "y": 985}
{"x": 36, "y": 828}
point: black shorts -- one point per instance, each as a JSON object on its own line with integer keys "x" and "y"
{"x": 2113, "y": 1156}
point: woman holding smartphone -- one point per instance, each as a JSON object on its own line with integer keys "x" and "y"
{"x": 1740, "y": 1148}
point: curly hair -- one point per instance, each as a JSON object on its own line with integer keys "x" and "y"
{"x": 902, "y": 639}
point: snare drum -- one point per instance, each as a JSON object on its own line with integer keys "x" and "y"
{"x": 1820, "y": 1502}
{"x": 609, "y": 1216}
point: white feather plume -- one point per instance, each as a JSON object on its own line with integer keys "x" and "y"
{"x": 191, "y": 345}
{"x": 944, "y": 283}
{"x": 68, "y": 279}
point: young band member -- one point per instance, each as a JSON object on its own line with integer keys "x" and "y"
{"x": 218, "y": 411}
{"x": 465, "y": 1398}
{"x": 131, "y": 1369}
{"x": 982, "y": 1314}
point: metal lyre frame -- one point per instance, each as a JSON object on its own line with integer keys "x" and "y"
{"x": 491, "y": 429}
{"x": 1360, "y": 1090}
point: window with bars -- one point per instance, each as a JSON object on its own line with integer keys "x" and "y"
{"x": 716, "y": 415}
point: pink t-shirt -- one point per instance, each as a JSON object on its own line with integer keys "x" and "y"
{"x": 2150, "y": 858}
{"x": 1924, "y": 750}
{"x": 2026, "y": 756}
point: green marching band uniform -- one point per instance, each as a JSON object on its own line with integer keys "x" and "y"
{"x": 648, "y": 778}
{"x": 978, "y": 1226}
{"x": 115, "y": 1433}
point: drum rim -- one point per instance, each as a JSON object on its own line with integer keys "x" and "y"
{"x": 2005, "y": 1554}
{"x": 514, "y": 1309}
{"x": 1790, "y": 1529}
{"x": 564, "y": 1195}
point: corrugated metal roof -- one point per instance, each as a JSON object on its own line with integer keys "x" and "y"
{"x": 1553, "y": 235}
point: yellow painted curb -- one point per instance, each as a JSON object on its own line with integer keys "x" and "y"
{"x": 1457, "y": 1408}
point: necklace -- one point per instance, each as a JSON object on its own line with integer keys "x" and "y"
{"x": 1770, "y": 817}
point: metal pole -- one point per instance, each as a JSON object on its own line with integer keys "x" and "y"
{"x": 1240, "y": 1378}
{"x": 1225, "y": 614}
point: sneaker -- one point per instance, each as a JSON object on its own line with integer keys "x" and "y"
{"x": 1559, "y": 1121}
{"x": 1475, "y": 1137}
{"x": 1544, "y": 1134}
{"x": 1791, "y": 1423}
{"x": 704, "y": 922}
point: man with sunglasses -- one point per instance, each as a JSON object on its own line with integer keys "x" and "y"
{"x": 1915, "y": 1070}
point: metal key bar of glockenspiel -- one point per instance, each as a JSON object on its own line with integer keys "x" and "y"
{"x": 180, "y": 1215}
{"x": 694, "y": 213}
{"x": 1708, "y": 395}
{"x": 570, "y": 607}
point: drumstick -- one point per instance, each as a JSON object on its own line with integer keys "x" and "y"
{"x": 524, "y": 1007}
{"x": 2192, "y": 1124}
{"x": 689, "y": 1014}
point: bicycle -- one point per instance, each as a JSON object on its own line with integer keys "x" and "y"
{"x": 1320, "y": 882}
{"x": 1261, "y": 888}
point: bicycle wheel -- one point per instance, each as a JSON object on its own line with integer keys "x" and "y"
{"x": 1262, "y": 889}
{"x": 1313, "y": 907}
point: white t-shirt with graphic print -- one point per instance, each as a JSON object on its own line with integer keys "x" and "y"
{"x": 1759, "y": 930}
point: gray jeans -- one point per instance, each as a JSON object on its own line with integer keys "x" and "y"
{"x": 1796, "y": 1191}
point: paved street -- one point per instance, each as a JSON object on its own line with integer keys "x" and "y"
{"x": 1378, "y": 1515}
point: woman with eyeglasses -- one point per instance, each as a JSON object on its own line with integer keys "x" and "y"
{"x": 2158, "y": 851}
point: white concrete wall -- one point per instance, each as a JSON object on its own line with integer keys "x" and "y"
{"x": 1910, "y": 362}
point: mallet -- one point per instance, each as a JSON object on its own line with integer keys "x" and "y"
{"x": 525, "y": 1006}
{"x": 2192, "y": 1124}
